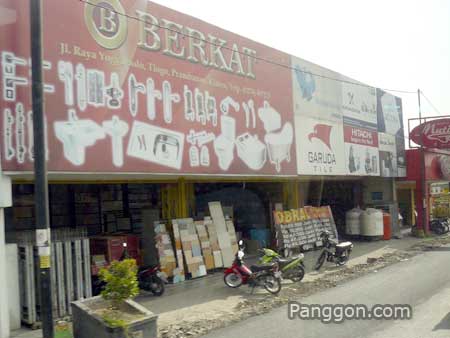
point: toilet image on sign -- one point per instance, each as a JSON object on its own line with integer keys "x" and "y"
{"x": 279, "y": 145}
{"x": 224, "y": 143}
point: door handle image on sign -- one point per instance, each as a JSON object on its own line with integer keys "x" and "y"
{"x": 200, "y": 106}
{"x": 10, "y": 78}
{"x": 30, "y": 136}
{"x": 20, "y": 133}
{"x": 96, "y": 87}
{"x": 211, "y": 109}
{"x": 152, "y": 95}
{"x": 168, "y": 98}
{"x": 8, "y": 122}
{"x": 80, "y": 77}
{"x": 134, "y": 88}
{"x": 114, "y": 93}
{"x": 189, "y": 113}
{"x": 65, "y": 74}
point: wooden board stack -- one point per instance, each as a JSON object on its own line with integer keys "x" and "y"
{"x": 205, "y": 244}
{"x": 216, "y": 211}
{"x": 191, "y": 247}
{"x": 165, "y": 250}
{"x": 214, "y": 242}
{"x": 232, "y": 234}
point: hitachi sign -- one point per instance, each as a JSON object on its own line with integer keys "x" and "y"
{"x": 107, "y": 23}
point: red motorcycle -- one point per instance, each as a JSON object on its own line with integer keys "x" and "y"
{"x": 151, "y": 279}
{"x": 266, "y": 275}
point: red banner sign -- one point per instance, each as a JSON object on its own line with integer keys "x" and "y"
{"x": 131, "y": 86}
{"x": 432, "y": 134}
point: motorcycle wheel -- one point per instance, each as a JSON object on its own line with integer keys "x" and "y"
{"x": 298, "y": 274}
{"x": 343, "y": 259}
{"x": 270, "y": 283}
{"x": 157, "y": 286}
{"x": 154, "y": 284}
{"x": 232, "y": 280}
{"x": 320, "y": 261}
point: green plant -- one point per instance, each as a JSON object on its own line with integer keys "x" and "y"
{"x": 121, "y": 281}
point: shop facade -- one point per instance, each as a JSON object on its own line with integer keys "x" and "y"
{"x": 435, "y": 196}
{"x": 152, "y": 118}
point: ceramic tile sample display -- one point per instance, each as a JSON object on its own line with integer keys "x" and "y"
{"x": 179, "y": 271}
{"x": 165, "y": 250}
{"x": 216, "y": 211}
{"x": 191, "y": 247}
{"x": 205, "y": 244}
{"x": 214, "y": 242}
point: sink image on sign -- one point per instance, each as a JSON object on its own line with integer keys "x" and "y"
{"x": 166, "y": 147}
{"x": 76, "y": 135}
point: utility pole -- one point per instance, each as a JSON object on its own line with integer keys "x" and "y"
{"x": 423, "y": 179}
{"x": 43, "y": 236}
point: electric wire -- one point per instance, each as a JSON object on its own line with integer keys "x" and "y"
{"x": 287, "y": 66}
{"x": 429, "y": 101}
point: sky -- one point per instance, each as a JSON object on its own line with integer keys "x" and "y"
{"x": 391, "y": 44}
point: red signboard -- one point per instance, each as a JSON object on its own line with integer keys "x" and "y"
{"x": 131, "y": 86}
{"x": 360, "y": 136}
{"x": 432, "y": 134}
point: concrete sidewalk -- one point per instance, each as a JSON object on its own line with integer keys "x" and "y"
{"x": 208, "y": 297}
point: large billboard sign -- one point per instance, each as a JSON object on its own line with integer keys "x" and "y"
{"x": 131, "y": 86}
{"x": 432, "y": 134}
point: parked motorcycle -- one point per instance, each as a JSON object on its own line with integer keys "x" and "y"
{"x": 440, "y": 226}
{"x": 333, "y": 251}
{"x": 149, "y": 278}
{"x": 265, "y": 275}
{"x": 291, "y": 268}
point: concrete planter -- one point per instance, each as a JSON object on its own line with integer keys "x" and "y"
{"x": 88, "y": 324}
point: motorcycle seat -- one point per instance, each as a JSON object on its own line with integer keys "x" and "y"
{"x": 344, "y": 245}
{"x": 263, "y": 267}
{"x": 146, "y": 267}
{"x": 285, "y": 260}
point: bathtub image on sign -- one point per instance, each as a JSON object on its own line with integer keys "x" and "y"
{"x": 157, "y": 145}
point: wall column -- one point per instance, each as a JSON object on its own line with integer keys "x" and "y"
{"x": 5, "y": 201}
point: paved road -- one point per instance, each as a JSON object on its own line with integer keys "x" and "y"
{"x": 423, "y": 282}
{"x": 202, "y": 290}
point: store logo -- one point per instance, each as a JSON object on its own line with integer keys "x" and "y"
{"x": 322, "y": 132}
{"x": 306, "y": 82}
{"x": 106, "y": 21}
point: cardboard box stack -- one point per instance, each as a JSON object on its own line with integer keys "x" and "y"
{"x": 214, "y": 242}
{"x": 178, "y": 274}
{"x": 205, "y": 244}
{"x": 165, "y": 250}
{"x": 191, "y": 247}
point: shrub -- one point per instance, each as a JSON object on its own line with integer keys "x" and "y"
{"x": 121, "y": 281}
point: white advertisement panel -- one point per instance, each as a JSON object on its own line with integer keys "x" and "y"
{"x": 359, "y": 104}
{"x": 315, "y": 92}
{"x": 388, "y": 155}
{"x": 320, "y": 147}
{"x": 389, "y": 111}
